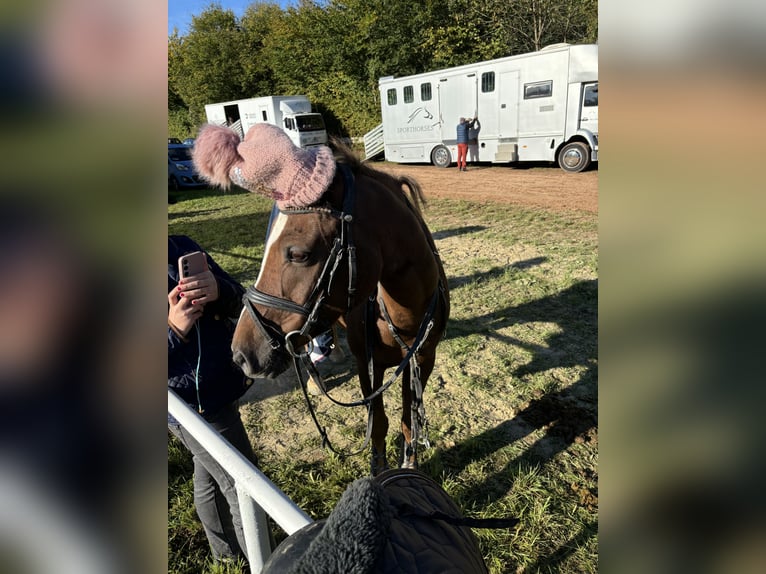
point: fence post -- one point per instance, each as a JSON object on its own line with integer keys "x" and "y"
{"x": 257, "y": 494}
{"x": 255, "y": 526}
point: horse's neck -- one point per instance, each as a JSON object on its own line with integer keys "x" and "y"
{"x": 408, "y": 272}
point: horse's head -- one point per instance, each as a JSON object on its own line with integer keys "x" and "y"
{"x": 299, "y": 243}
{"x": 294, "y": 274}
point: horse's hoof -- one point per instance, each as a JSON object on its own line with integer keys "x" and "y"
{"x": 409, "y": 457}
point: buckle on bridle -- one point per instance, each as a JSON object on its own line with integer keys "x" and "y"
{"x": 290, "y": 346}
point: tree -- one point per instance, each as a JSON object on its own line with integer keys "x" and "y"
{"x": 335, "y": 51}
{"x": 206, "y": 65}
{"x": 258, "y": 23}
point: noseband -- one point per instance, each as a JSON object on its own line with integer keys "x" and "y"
{"x": 342, "y": 245}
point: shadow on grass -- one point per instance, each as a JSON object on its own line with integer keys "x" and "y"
{"x": 287, "y": 382}
{"x": 457, "y": 231}
{"x": 457, "y": 282}
{"x": 574, "y": 310}
{"x": 566, "y": 416}
{"x": 550, "y": 563}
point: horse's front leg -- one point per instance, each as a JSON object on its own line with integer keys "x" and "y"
{"x": 409, "y": 446}
{"x": 378, "y": 461}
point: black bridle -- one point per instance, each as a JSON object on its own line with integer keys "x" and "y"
{"x": 343, "y": 246}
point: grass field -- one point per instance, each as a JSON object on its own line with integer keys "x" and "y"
{"x": 511, "y": 404}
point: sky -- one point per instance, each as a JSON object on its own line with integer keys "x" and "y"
{"x": 180, "y": 12}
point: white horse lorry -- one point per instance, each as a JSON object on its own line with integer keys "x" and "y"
{"x": 541, "y": 106}
{"x": 291, "y": 113}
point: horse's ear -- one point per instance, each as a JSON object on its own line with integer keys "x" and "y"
{"x": 215, "y": 153}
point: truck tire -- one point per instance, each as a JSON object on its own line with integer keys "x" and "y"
{"x": 574, "y": 157}
{"x": 440, "y": 156}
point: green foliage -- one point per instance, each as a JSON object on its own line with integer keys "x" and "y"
{"x": 219, "y": 59}
{"x": 335, "y": 51}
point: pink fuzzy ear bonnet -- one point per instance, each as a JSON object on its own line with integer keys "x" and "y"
{"x": 265, "y": 162}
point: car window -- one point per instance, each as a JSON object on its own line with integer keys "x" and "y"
{"x": 179, "y": 154}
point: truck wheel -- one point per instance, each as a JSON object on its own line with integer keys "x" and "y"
{"x": 574, "y": 157}
{"x": 441, "y": 157}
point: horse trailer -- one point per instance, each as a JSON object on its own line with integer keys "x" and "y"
{"x": 541, "y": 106}
{"x": 291, "y": 113}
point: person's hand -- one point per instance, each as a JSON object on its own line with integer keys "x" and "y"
{"x": 200, "y": 289}
{"x": 183, "y": 312}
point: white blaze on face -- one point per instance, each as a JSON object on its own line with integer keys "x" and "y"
{"x": 277, "y": 227}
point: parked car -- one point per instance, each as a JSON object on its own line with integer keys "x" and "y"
{"x": 181, "y": 172}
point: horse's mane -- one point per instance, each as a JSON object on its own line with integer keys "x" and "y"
{"x": 413, "y": 194}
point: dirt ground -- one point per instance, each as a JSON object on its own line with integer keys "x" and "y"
{"x": 548, "y": 187}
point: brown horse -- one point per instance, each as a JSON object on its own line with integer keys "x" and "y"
{"x": 362, "y": 256}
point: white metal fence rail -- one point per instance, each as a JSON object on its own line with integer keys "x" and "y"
{"x": 256, "y": 492}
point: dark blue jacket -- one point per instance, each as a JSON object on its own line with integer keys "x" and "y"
{"x": 220, "y": 381}
{"x": 462, "y": 132}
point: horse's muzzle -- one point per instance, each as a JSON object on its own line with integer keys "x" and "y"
{"x": 273, "y": 364}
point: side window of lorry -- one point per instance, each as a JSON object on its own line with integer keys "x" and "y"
{"x": 591, "y": 96}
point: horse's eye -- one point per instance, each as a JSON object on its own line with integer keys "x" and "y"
{"x": 295, "y": 255}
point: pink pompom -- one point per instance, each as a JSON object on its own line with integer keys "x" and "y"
{"x": 215, "y": 153}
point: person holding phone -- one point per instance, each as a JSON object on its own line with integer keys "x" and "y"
{"x": 202, "y": 301}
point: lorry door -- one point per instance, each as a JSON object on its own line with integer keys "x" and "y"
{"x": 457, "y": 99}
{"x": 589, "y": 107}
{"x": 234, "y": 119}
{"x": 508, "y": 112}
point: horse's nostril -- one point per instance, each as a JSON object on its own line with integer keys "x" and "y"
{"x": 239, "y": 359}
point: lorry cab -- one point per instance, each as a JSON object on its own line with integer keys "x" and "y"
{"x": 306, "y": 130}
{"x": 582, "y": 149}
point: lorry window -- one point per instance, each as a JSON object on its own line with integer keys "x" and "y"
{"x": 409, "y": 95}
{"x": 538, "y": 90}
{"x": 591, "y": 96}
{"x": 308, "y": 123}
{"x": 488, "y": 82}
{"x": 265, "y": 118}
{"x": 391, "y": 96}
{"x": 425, "y": 92}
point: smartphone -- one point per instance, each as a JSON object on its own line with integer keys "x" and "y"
{"x": 192, "y": 264}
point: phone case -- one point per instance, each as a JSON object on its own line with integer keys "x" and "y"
{"x": 192, "y": 264}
